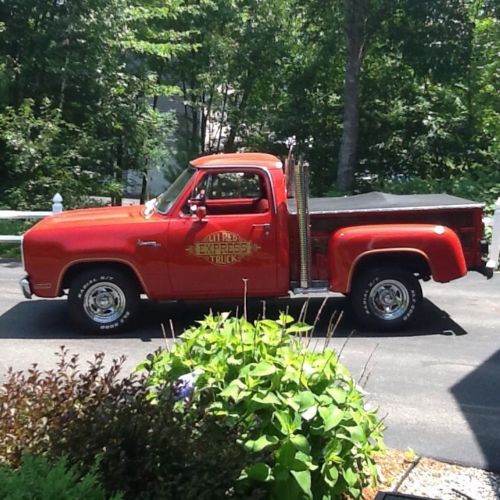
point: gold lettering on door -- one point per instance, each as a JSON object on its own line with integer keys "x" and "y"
{"x": 223, "y": 248}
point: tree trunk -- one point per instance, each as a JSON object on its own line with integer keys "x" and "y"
{"x": 230, "y": 145}
{"x": 144, "y": 187}
{"x": 222, "y": 119}
{"x": 355, "y": 20}
{"x": 144, "y": 182}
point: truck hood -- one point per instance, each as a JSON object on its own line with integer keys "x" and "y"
{"x": 92, "y": 217}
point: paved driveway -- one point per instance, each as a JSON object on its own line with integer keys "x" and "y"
{"x": 437, "y": 385}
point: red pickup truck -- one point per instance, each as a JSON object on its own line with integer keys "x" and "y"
{"x": 227, "y": 223}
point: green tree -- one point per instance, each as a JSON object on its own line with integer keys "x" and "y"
{"x": 232, "y": 81}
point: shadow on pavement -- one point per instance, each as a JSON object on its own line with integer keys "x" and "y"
{"x": 478, "y": 396}
{"x": 49, "y": 318}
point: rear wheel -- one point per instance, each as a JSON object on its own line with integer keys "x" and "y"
{"x": 386, "y": 298}
{"x": 103, "y": 300}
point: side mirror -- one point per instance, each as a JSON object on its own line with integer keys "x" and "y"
{"x": 201, "y": 212}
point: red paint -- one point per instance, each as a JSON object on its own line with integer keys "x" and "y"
{"x": 439, "y": 246}
{"x": 177, "y": 255}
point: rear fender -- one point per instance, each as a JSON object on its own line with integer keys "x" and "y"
{"x": 350, "y": 246}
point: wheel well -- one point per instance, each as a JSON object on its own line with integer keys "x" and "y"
{"x": 414, "y": 262}
{"x": 77, "y": 268}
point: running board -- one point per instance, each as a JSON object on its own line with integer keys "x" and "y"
{"x": 317, "y": 286}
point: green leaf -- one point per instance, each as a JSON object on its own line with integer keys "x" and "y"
{"x": 298, "y": 328}
{"x": 330, "y": 474}
{"x": 333, "y": 450}
{"x": 338, "y": 394}
{"x": 260, "y": 443}
{"x": 233, "y": 390}
{"x": 305, "y": 399}
{"x": 331, "y": 416}
{"x": 357, "y": 434}
{"x": 355, "y": 492}
{"x": 303, "y": 479}
{"x": 270, "y": 325}
{"x": 280, "y": 472}
{"x": 284, "y": 421}
{"x": 263, "y": 369}
{"x": 302, "y": 461}
{"x": 301, "y": 443}
{"x": 294, "y": 405}
{"x": 286, "y": 454}
{"x": 284, "y": 319}
{"x": 325, "y": 400}
{"x": 350, "y": 476}
{"x": 269, "y": 399}
{"x": 259, "y": 472}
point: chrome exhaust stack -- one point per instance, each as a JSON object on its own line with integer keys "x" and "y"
{"x": 301, "y": 178}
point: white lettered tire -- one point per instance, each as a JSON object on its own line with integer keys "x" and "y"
{"x": 103, "y": 300}
{"x": 386, "y": 298}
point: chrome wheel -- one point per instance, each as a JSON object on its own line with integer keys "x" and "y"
{"x": 104, "y": 302}
{"x": 389, "y": 299}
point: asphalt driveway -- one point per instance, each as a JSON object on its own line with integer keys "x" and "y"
{"x": 437, "y": 385}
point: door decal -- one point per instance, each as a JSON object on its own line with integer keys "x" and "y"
{"x": 223, "y": 248}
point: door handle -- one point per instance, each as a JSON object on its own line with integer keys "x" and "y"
{"x": 141, "y": 243}
{"x": 266, "y": 227}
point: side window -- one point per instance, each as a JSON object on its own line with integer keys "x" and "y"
{"x": 232, "y": 192}
{"x": 231, "y": 185}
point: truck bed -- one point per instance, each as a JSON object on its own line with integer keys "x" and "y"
{"x": 330, "y": 214}
{"x": 376, "y": 201}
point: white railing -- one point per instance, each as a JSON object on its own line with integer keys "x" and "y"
{"x": 493, "y": 257}
{"x": 25, "y": 214}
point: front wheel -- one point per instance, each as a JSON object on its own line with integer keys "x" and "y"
{"x": 386, "y": 298}
{"x": 103, "y": 300}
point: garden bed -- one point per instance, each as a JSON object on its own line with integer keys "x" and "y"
{"x": 404, "y": 472}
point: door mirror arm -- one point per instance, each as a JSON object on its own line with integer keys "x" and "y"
{"x": 201, "y": 213}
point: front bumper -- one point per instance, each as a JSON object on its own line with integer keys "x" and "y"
{"x": 25, "y": 287}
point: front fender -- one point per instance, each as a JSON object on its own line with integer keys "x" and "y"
{"x": 438, "y": 245}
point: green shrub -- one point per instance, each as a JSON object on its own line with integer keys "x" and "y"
{"x": 13, "y": 227}
{"x": 300, "y": 409}
{"x": 38, "y": 479}
{"x": 144, "y": 450}
{"x": 151, "y": 451}
{"x": 478, "y": 186}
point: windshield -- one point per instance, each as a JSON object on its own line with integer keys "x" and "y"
{"x": 165, "y": 201}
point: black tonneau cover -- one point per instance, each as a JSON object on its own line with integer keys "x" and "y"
{"x": 376, "y": 201}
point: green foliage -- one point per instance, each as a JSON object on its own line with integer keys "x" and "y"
{"x": 38, "y": 479}
{"x": 89, "y": 78}
{"x": 40, "y": 157}
{"x": 75, "y": 99}
{"x": 232, "y": 78}
{"x": 299, "y": 408}
{"x": 425, "y": 93}
{"x": 12, "y": 227}
{"x": 446, "y": 24}
{"x": 147, "y": 451}
{"x": 485, "y": 76}
{"x": 481, "y": 185}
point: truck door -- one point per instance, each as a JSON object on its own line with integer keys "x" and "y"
{"x": 236, "y": 240}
